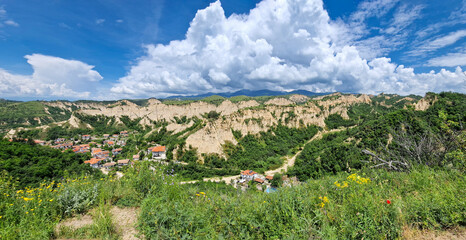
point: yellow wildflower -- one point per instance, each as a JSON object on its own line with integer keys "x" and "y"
{"x": 203, "y": 193}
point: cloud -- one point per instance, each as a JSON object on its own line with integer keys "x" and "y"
{"x": 99, "y": 21}
{"x": 119, "y": 21}
{"x": 279, "y": 45}
{"x": 438, "y": 43}
{"x": 52, "y": 77}
{"x": 11, "y": 23}
{"x": 404, "y": 17}
{"x": 449, "y": 60}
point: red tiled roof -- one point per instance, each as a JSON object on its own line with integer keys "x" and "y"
{"x": 158, "y": 149}
{"x": 93, "y": 160}
{"x": 117, "y": 150}
{"x": 96, "y": 150}
{"x": 258, "y": 180}
{"x": 248, "y": 172}
{"x": 123, "y": 161}
{"x": 269, "y": 177}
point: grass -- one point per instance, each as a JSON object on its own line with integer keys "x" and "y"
{"x": 365, "y": 204}
{"x": 318, "y": 209}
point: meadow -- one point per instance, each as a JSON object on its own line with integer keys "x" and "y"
{"x": 366, "y": 204}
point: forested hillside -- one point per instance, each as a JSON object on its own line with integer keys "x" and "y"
{"x": 30, "y": 164}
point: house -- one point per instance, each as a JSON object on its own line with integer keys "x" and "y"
{"x": 123, "y": 162}
{"x": 248, "y": 175}
{"x": 105, "y": 154}
{"x": 59, "y": 140}
{"x": 83, "y": 148}
{"x": 269, "y": 178}
{"x": 258, "y": 180}
{"x": 158, "y": 152}
{"x": 94, "y": 162}
{"x": 67, "y": 145}
{"x": 40, "y": 142}
{"x": 124, "y": 133}
{"x": 110, "y": 143}
{"x": 96, "y": 151}
{"x": 135, "y": 157}
{"x": 86, "y": 137}
{"x": 109, "y": 165}
{"x": 116, "y": 151}
{"x": 106, "y": 136}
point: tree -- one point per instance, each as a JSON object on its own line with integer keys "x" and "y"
{"x": 277, "y": 180}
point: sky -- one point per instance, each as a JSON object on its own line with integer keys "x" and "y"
{"x": 116, "y": 49}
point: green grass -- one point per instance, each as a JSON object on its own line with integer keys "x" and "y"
{"x": 424, "y": 198}
{"x": 343, "y": 206}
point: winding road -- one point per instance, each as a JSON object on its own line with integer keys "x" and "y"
{"x": 289, "y": 161}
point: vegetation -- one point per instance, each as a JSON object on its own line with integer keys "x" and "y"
{"x": 26, "y": 114}
{"x": 30, "y": 164}
{"x": 404, "y": 137}
{"x": 345, "y": 193}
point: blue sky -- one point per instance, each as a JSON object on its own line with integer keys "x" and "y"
{"x": 113, "y": 49}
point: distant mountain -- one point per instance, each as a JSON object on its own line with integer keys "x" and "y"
{"x": 249, "y": 93}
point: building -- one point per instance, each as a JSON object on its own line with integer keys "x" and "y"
{"x": 86, "y": 137}
{"x": 258, "y": 180}
{"x": 158, "y": 152}
{"x": 124, "y": 133}
{"x": 106, "y": 136}
{"x": 123, "y": 162}
{"x": 248, "y": 175}
{"x": 109, "y": 165}
{"x": 116, "y": 151}
{"x": 40, "y": 142}
{"x": 135, "y": 157}
{"x": 94, "y": 162}
{"x": 269, "y": 178}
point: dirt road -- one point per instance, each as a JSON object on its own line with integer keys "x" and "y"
{"x": 289, "y": 162}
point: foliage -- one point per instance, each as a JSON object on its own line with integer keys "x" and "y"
{"x": 75, "y": 198}
{"x": 335, "y": 120}
{"x": 375, "y": 206}
{"x": 31, "y": 164}
{"x": 277, "y": 180}
{"x": 26, "y": 114}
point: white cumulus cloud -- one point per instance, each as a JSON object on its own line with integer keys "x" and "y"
{"x": 279, "y": 45}
{"x": 53, "y": 77}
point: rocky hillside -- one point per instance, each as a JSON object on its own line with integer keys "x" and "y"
{"x": 220, "y": 115}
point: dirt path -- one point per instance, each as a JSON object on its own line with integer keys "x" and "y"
{"x": 125, "y": 220}
{"x": 289, "y": 161}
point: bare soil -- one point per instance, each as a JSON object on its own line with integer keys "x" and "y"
{"x": 451, "y": 234}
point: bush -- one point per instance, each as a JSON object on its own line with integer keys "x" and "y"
{"x": 76, "y": 199}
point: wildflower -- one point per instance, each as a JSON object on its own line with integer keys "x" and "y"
{"x": 324, "y": 200}
{"x": 0, "y": 217}
{"x": 388, "y": 201}
{"x": 51, "y": 200}
{"x": 203, "y": 193}
{"x": 197, "y": 194}
{"x": 27, "y": 212}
